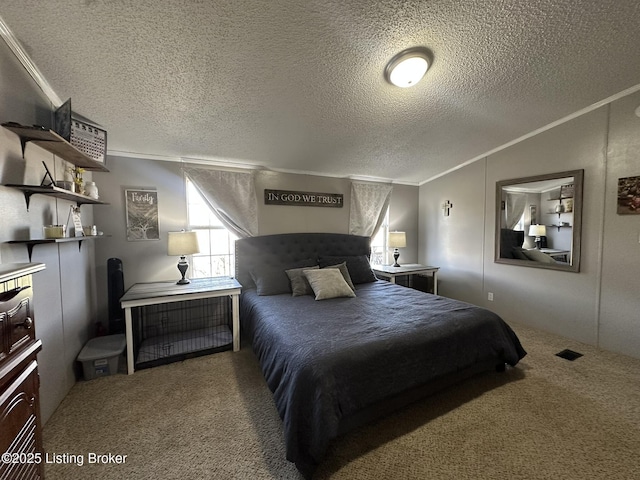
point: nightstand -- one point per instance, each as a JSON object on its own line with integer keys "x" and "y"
{"x": 162, "y": 293}
{"x": 390, "y": 272}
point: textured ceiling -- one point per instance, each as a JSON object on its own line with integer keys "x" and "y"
{"x": 299, "y": 85}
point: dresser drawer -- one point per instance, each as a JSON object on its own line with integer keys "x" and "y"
{"x": 16, "y": 320}
{"x": 21, "y": 440}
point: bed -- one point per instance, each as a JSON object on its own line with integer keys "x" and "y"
{"x": 337, "y": 363}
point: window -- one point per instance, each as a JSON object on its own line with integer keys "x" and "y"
{"x": 217, "y": 244}
{"x": 520, "y": 224}
{"x": 379, "y": 250}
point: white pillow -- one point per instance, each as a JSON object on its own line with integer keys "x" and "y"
{"x": 328, "y": 283}
{"x": 538, "y": 256}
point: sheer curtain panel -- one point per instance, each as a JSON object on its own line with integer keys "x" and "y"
{"x": 516, "y": 203}
{"x": 230, "y": 195}
{"x": 369, "y": 202}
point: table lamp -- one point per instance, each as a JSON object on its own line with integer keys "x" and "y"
{"x": 182, "y": 244}
{"x": 397, "y": 240}
{"x": 537, "y": 231}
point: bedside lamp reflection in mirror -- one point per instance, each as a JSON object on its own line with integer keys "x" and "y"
{"x": 538, "y": 231}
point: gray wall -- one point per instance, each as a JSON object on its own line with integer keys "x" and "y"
{"x": 148, "y": 261}
{"x": 600, "y": 304}
{"x": 64, "y": 293}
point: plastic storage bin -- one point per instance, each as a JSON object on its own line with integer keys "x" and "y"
{"x": 100, "y": 356}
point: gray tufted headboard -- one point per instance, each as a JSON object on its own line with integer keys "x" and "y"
{"x": 288, "y": 248}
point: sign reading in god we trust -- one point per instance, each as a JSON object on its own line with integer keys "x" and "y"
{"x": 302, "y": 199}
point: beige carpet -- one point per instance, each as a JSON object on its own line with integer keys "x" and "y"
{"x": 213, "y": 418}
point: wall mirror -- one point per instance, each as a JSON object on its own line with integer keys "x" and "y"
{"x": 539, "y": 220}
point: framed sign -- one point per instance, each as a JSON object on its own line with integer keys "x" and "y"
{"x": 142, "y": 214}
{"x": 302, "y": 199}
{"x": 77, "y": 221}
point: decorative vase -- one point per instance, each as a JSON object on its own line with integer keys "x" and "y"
{"x": 91, "y": 189}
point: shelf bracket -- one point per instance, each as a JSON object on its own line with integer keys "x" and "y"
{"x": 30, "y": 250}
{"x": 23, "y": 145}
{"x": 27, "y": 198}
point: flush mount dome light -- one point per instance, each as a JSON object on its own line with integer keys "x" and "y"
{"x": 407, "y": 67}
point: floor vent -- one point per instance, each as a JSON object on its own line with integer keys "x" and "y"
{"x": 568, "y": 355}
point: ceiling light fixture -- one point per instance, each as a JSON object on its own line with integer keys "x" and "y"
{"x": 408, "y": 67}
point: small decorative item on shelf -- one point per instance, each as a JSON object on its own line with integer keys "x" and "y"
{"x": 91, "y": 189}
{"x": 90, "y": 231}
{"x": 566, "y": 191}
{"x": 568, "y": 205}
{"x": 66, "y": 184}
{"x": 55, "y": 231}
{"x": 78, "y": 184}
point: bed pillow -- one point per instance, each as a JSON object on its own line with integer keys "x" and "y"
{"x": 299, "y": 283}
{"x": 272, "y": 280}
{"x": 518, "y": 253}
{"x": 345, "y": 274}
{"x": 538, "y": 256}
{"x": 358, "y": 266}
{"x": 328, "y": 283}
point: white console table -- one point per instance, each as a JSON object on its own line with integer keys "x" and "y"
{"x": 142, "y": 294}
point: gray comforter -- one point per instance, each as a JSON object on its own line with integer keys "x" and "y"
{"x": 326, "y": 360}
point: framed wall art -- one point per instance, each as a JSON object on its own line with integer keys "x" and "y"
{"x": 142, "y": 214}
{"x": 533, "y": 214}
{"x": 629, "y": 196}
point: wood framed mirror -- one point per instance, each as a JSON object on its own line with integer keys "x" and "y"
{"x": 539, "y": 221}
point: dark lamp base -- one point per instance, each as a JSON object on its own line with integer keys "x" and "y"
{"x": 183, "y": 265}
{"x": 396, "y": 255}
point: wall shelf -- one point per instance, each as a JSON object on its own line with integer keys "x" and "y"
{"x": 52, "y": 191}
{"x": 54, "y": 143}
{"x": 41, "y": 241}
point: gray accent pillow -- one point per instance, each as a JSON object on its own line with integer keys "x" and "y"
{"x": 345, "y": 273}
{"x": 272, "y": 280}
{"x": 358, "y": 265}
{"x": 299, "y": 283}
{"x": 328, "y": 283}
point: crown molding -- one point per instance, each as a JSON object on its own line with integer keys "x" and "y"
{"x": 16, "y": 47}
{"x": 577, "y": 114}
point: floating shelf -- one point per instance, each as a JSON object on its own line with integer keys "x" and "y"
{"x": 54, "y": 143}
{"x": 40, "y": 241}
{"x": 52, "y": 191}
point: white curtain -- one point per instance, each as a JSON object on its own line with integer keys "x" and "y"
{"x": 516, "y": 203}
{"x": 230, "y": 195}
{"x": 369, "y": 202}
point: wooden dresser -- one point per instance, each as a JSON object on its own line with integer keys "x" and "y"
{"x": 20, "y": 429}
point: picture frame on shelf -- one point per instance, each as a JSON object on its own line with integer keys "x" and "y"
{"x": 76, "y": 218}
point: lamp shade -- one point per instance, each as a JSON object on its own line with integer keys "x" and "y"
{"x": 397, "y": 239}
{"x": 537, "y": 231}
{"x": 183, "y": 243}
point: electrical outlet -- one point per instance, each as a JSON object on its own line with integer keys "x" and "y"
{"x": 490, "y": 296}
